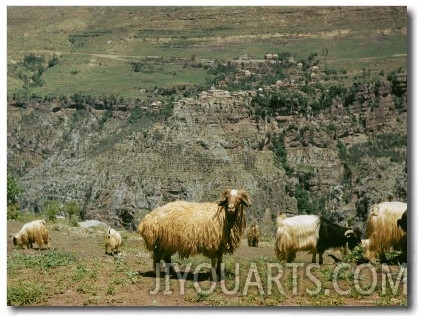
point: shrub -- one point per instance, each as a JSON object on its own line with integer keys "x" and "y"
{"x": 51, "y": 209}
{"x": 14, "y": 190}
{"x": 54, "y": 60}
{"x": 357, "y": 255}
{"x": 342, "y": 151}
{"x": 13, "y": 211}
{"x": 25, "y": 293}
{"x": 72, "y": 209}
{"x": 305, "y": 206}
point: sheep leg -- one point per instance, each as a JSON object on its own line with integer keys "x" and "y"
{"x": 219, "y": 268}
{"x": 320, "y": 257}
{"x": 216, "y": 270}
{"x": 291, "y": 256}
{"x": 38, "y": 242}
{"x": 168, "y": 265}
{"x": 156, "y": 262}
{"x": 213, "y": 271}
{"x": 313, "y": 259}
{"x": 46, "y": 241}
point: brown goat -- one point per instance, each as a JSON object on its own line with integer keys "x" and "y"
{"x": 253, "y": 235}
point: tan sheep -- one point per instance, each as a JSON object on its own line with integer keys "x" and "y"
{"x": 113, "y": 240}
{"x": 382, "y": 232}
{"x": 253, "y": 235}
{"x": 189, "y": 228}
{"x": 32, "y": 232}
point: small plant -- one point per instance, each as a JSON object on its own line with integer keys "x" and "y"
{"x": 80, "y": 272}
{"x": 357, "y": 255}
{"x": 393, "y": 256}
{"x": 25, "y": 293}
{"x": 111, "y": 288}
{"x": 50, "y": 259}
{"x": 132, "y": 276}
{"x": 54, "y": 60}
{"x": 201, "y": 296}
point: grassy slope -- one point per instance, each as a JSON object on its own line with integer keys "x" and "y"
{"x": 97, "y": 43}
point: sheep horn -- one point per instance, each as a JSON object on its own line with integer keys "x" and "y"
{"x": 349, "y": 232}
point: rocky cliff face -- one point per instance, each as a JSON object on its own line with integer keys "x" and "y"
{"x": 127, "y": 159}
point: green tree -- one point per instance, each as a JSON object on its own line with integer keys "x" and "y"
{"x": 72, "y": 209}
{"x": 51, "y": 209}
{"x": 14, "y": 191}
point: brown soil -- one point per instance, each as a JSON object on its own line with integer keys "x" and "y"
{"x": 128, "y": 280}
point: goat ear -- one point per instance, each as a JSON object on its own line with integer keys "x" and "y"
{"x": 245, "y": 199}
{"x": 223, "y": 199}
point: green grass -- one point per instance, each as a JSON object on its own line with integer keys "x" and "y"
{"x": 355, "y": 37}
{"x": 25, "y": 293}
{"x": 101, "y": 76}
{"x": 50, "y": 259}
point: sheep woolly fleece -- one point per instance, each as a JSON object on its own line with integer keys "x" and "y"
{"x": 298, "y": 233}
{"x": 113, "y": 240}
{"x": 253, "y": 235}
{"x": 190, "y": 228}
{"x": 32, "y": 232}
{"x": 382, "y": 230}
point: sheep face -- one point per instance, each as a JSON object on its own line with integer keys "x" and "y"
{"x": 21, "y": 241}
{"x": 231, "y": 200}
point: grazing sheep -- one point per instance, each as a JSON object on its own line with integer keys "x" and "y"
{"x": 189, "y": 228}
{"x": 382, "y": 231}
{"x": 113, "y": 240}
{"x": 253, "y": 235}
{"x": 311, "y": 233}
{"x": 32, "y": 232}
